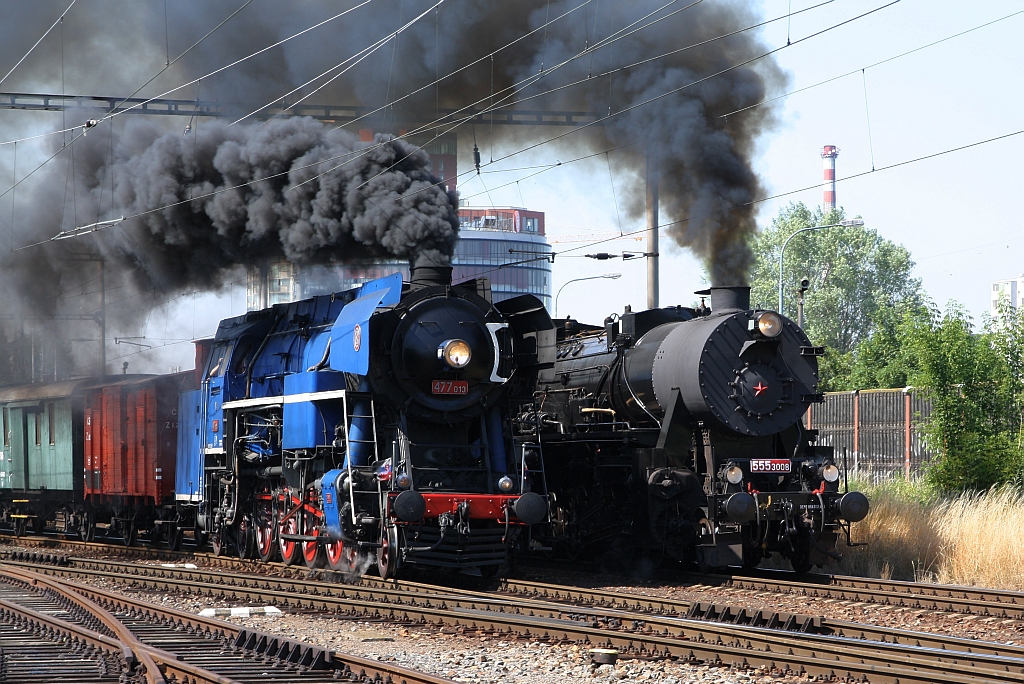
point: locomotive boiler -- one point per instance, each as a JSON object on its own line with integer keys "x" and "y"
{"x": 368, "y": 425}
{"x": 678, "y": 432}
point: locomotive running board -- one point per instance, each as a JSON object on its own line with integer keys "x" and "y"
{"x": 285, "y": 399}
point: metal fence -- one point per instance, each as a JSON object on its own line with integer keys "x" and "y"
{"x": 880, "y": 430}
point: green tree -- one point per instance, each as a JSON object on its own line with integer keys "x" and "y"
{"x": 973, "y": 423}
{"x": 883, "y": 359}
{"x": 854, "y": 275}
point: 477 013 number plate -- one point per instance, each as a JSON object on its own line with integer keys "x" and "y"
{"x": 770, "y": 465}
{"x": 449, "y": 387}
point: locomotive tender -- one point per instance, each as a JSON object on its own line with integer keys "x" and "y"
{"x": 678, "y": 431}
{"x": 368, "y": 423}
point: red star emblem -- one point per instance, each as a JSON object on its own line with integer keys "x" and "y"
{"x": 758, "y": 388}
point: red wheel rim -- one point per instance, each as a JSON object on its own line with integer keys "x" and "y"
{"x": 334, "y": 552}
{"x": 310, "y": 548}
{"x": 289, "y": 526}
{"x": 265, "y": 531}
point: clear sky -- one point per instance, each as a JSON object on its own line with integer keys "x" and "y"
{"x": 958, "y": 213}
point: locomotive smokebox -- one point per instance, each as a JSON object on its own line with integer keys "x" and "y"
{"x": 425, "y": 276}
{"x": 736, "y": 298}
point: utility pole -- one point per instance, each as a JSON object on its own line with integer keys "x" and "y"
{"x": 652, "y": 227}
{"x": 100, "y": 317}
{"x": 103, "y": 317}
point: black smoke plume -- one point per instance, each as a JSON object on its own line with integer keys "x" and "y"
{"x": 108, "y": 47}
{"x": 291, "y": 189}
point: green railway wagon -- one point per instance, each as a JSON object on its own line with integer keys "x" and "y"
{"x": 41, "y": 468}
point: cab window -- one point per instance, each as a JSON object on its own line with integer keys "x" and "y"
{"x": 218, "y": 360}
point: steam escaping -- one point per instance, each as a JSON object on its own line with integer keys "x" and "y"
{"x": 291, "y": 189}
{"x": 661, "y": 87}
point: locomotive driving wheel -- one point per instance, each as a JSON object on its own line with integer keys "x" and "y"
{"x": 342, "y": 557}
{"x": 266, "y": 526}
{"x": 290, "y": 550}
{"x": 245, "y": 538}
{"x": 387, "y": 554}
{"x": 312, "y": 551}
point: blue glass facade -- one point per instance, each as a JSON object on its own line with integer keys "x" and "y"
{"x": 516, "y": 263}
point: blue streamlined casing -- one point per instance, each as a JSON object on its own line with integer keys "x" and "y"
{"x": 392, "y": 283}
{"x": 188, "y": 468}
{"x": 350, "y": 334}
{"x": 215, "y": 414}
{"x": 308, "y": 424}
{"x": 332, "y": 506}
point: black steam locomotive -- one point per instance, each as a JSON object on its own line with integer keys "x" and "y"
{"x": 678, "y": 432}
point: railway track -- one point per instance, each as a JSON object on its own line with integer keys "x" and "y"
{"x": 54, "y": 630}
{"x": 977, "y": 601}
{"x": 637, "y": 626}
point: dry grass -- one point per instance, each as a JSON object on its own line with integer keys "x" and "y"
{"x": 913, "y": 534}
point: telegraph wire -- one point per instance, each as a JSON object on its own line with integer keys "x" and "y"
{"x": 46, "y": 33}
{"x": 533, "y": 79}
{"x": 869, "y": 66}
{"x": 681, "y": 88}
{"x": 640, "y": 104}
{"x": 113, "y": 113}
{"x": 887, "y": 167}
{"x": 358, "y": 57}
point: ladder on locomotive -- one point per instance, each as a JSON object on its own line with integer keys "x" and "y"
{"x": 352, "y": 401}
{"x": 521, "y": 446}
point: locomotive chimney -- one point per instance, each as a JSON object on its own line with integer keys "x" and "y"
{"x": 425, "y": 276}
{"x": 730, "y": 298}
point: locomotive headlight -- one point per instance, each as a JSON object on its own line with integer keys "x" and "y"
{"x": 456, "y": 353}
{"x": 830, "y": 473}
{"x": 769, "y": 324}
{"x": 404, "y": 480}
{"x": 734, "y": 475}
{"x": 505, "y": 484}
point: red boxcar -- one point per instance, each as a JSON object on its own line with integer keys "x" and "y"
{"x": 131, "y": 438}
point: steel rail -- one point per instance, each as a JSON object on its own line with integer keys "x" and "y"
{"x": 828, "y": 656}
{"x": 101, "y": 603}
{"x": 999, "y": 603}
{"x": 153, "y": 673}
{"x": 574, "y": 601}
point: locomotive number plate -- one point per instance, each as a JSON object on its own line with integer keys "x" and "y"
{"x": 770, "y": 465}
{"x": 449, "y": 387}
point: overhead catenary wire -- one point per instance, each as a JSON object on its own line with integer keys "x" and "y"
{"x": 655, "y": 98}
{"x": 873, "y": 64}
{"x": 36, "y": 44}
{"x": 680, "y": 88}
{"x": 114, "y": 112}
{"x": 354, "y": 59}
{"x": 815, "y": 186}
{"x": 532, "y": 79}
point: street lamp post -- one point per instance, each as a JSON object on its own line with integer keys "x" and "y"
{"x": 613, "y": 276}
{"x": 782, "y": 254}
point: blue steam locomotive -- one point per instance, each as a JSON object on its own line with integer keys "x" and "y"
{"x": 371, "y": 425}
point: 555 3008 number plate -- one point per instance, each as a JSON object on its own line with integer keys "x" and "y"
{"x": 450, "y": 387}
{"x": 770, "y": 465}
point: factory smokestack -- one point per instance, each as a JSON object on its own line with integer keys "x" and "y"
{"x": 828, "y": 184}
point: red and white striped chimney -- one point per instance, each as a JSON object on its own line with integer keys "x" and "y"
{"x": 828, "y": 185}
